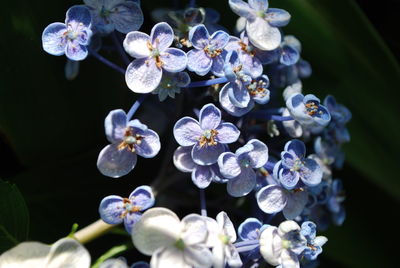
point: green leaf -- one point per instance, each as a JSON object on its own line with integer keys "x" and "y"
{"x": 14, "y": 217}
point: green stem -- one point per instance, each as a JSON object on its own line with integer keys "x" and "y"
{"x": 92, "y": 231}
{"x": 114, "y": 251}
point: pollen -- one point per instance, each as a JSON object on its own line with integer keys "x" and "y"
{"x": 208, "y": 138}
{"x": 130, "y": 140}
{"x": 312, "y": 108}
{"x": 246, "y": 49}
{"x": 212, "y": 52}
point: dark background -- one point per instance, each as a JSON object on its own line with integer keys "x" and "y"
{"x": 51, "y": 129}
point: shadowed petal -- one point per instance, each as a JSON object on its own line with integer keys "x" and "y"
{"x": 183, "y": 159}
{"x": 254, "y": 151}
{"x": 130, "y": 220}
{"x": 143, "y": 75}
{"x": 67, "y": 252}
{"x": 311, "y": 173}
{"x": 295, "y": 204}
{"x": 228, "y": 105}
{"x": 249, "y": 229}
{"x": 296, "y": 147}
{"x": 115, "y": 125}
{"x": 277, "y": 17}
{"x": 80, "y": 14}
{"x": 229, "y": 165}
{"x": 199, "y": 36}
{"x": 217, "y": 67}
{"x": 142, "y": 197}
{"x": 202, "y": 176}
{"x": 288, "y": 178}
{"x": 75, "y": 51}
{"x": 242, "y": 184}
{"x": 150, "y": 144}
{"x": 129, "y": 17}
{"x": 239, "y": 95}
{"x": 115, "y": 163}
{"x": 208, "y": 154}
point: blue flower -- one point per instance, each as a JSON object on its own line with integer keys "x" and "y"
{"x": 288, "y": 52}
{"x": 171, "y": 83}
{"x": 335, "y": 201}
{"x": 153, "y": 55}
{"x": 122, "y": 15}
{"x": 70, "y": 38}
{"x": 127, "y": 139}
{"x": 314, "y": 243}
{"x": 207, "y": 137}
{"x": 337, "y": 131}
{"x": 262, "y": 22}
{"x": 238, "y": 167}
{"x": 202, "y": 176}
{"x": 207, "y": 54}
{"x": 250, "y": 230}
{"x": 294, "y": 170}
{"x": 114, "y": 209}
{"x": 308, "y": 111}
{"x": 283, "y": 75}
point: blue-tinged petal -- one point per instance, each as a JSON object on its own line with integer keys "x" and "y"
{"x": 239, "y": 95}
{"x": 174, "y": 60}
{"x": 304, "y": 68}
{"x": 115, "y": 163}
{"x": 127, "y": 17}
{"x": 207, "y": 154}
{"x": 309, "y": 230}
{"x": 296, "y": 147}
{"x": 251, "y": 65}
{"x": 228, "y": 105}
{"x": 218, "y": 178}
{"x": 293, "y": 42}
{"x": 242, "y": 184}
{"x": 231, "y": 62}
{"x": 53, "y": 39}
{"x": 338, "y": 218}
{"x": 183, "y": 159}
{"x": 136, "y": 44}
{"x": 182, "y": 79}
{"x": 229, "y": 165}
{"x": 217, "y": 67}
{"x": 272, "y": 198}
{"x": 227, "y": 133}
{"x": 199, "y": 37}
{"x": 276, "y": 170}
{"x": 71, "y": 69}
{"x": 130, "y": 220}
{"x": 268, "y": 57}
{"x": 162, "y": 36}
{"x": 277, "y": 17}
{"x": 288, "y": 159}
{"x": 233, "y": 44}
{"x": 219, "y": 39}
{"x": 209, "y": 117}
{"x": 80, "y": 14}
{"x": 242, "y": 9}
{"x": 296, "y": 203}
{"x": 75, "y": 51}
{"x": 289, "y": 55}
{"x": 322, "y": 117}
{"x": 259, "y": 5}
{"x": 262, "y": 35}
{"x": 311, "y": 97}
{"x": 137, "y": 124}
{"x": 115, "y": 125}
{"x": 187, "y": 131}
{"x": 199, "y": 62}
{"x": 257, "y": 153}
{"x": 142, "y": 197}
{"x": 288, "y": 179}
{"x": 311, "y": 173}
{"x": 202, "y": 176}
{"x": 249, "y": 229}
{"x": 143, "y": 75}
{"x": 111, "y": 208}
{"x": 140, "y": 264}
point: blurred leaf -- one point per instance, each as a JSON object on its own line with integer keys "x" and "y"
{"x": 14, "y": 217}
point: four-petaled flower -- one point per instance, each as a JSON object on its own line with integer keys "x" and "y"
{"x": 153, "y": 55}
{"x": 121, "y": 15}
{"x": 114, "y": 209}
{"x": 207, "y": 137}
{"x": 127, "y": 139}
{"x": 70, "y": 38}
{"x": 314, "y": 243}
{"x": 208, "y": 52}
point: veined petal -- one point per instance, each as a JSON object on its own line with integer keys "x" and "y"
{"x": 271, "y": 199}
{"x": 227, "y": 226}
{"x": 202, "y": 176}
{"x": 187, "y": 131}
{"x": 115, "y": 125}
{"x": 162, "y": 36}
{"x": 242, "y": 184}
{"x": 217, "y": 67}
{"x": 136, "y": 44}
{"x": 174, "y": 60}
{"x": 183, "y": 159}
{"x": 249, "y": 229}
{"x": 199, "y": 37}
{"x": 296, "y": 203}
{"x": 252, "y": 65}
{"x": 199, "y": 62}
{"x": 227, "y": 133}
{"x": 130, "y": 220}
{"x": 271, "y": 245}
{"x": 67, "y": 252}
{"x": 208, "y": 154}
{"x": 127, "y": 17}
{"x": 229, "y": 165}
{"x": 296, "y": 147}
{"x": 259, "y": 5}
{"x": 209, "y": 117}
{"x": 149, "y": 144}
{"x": 239, "y": 95}
{"x": 242, "y": 9}
{"x": 53, "y": 39}
{"x": 194, "y": 230}
{"x": 111, "y": 209}
{"x": 75, "y": 51}
{"x": 142, "y": 197}
{"x": 115, "y": 163}
{"x": 262, "y": 35}
{"x": 256, "y": 152}
{"x": 143, "y": 75}
{"x": 311, "y": 173}
{"x": 289, "y": 55}
{"x": 277, "y": 17}
{"x": 80, "y": 14}
{"x": 219, "y": 39}
{"x": 228, "y": 105}
{"x": 288, "y": 178}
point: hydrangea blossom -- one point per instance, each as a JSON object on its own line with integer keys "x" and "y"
{"x": 122, "y": 15}
{"x": 294, "y": 170}
{"x": 207, "y": 54}
{"x": 314, "y": 243}
{"x": 70, "y": 38}
{"x": 171, "y": 83}
{"x": 171, "y": 242}
{"x": 127, "y": 138}
{"x": 238, "y": 167}
{"x": 262, "y": 22}
{"x": 114, "y": 209}
{"x": 282, "y": 245}
{"x": 202, "y": 176}
{"x": 153, "y": 55}
{"x": 207, "y": 137}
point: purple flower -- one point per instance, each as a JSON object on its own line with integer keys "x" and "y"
{"x": 238, "y": 167}
{"x": 207, "y": 137}
{"x": 127, "y": 139}
{"x": 208, "y": 51}
{"x": 153, "y": 55}
{"x": 294, "y": 170}
{"x": 70, "y": 38}
{"x": 202, "y": 176}
{"x": 121, "y": 15}
{"x": 114, "y": 209}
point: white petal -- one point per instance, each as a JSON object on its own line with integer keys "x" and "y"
{"x": 271, "y": 245}
{"x": 143, "y": 75}
{"x": 25, "y": 255}
{"x": 168, "y": 257}
{"x": 289, "y": 259}
{"x": 227, "y": 226}
{"x": 136, "y": 44}
{"x": 262, "y": 35}
{"x": 68, "y": 252}
{"x": 288, "y": 226}
{"x": 320, "y": 240}
{"x": 194, "y": 229}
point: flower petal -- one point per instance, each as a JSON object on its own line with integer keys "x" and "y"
{"x": 242, "y": 184}
{"x": 199, "y": 36}
{"x": 142, "y": 197}
{"x": 136, "y": 44}
{"x": 271, "y": 245}
{"x": 168, "y": 257}
{"x": 272, "y": 199}
{"x": 228, "y": 105}
{"x": 53, "y": 40}
{"x": 111, "y": 208}
{"x": 162, "y": 36}
{"x": 277, "y": 17}
{"x": 219, "y": 39}
{"x": 227, "y": 133}
{"x": 157, "y": 228}
{"x": 239, "y": 95}
{"x": 209, "y": 117}
{"x": 183, "y": 159}
{"x": 174, "y": 60}
{"x": 296, "y": 203}
{"x": 80, "y": 14}
{"x": 217, "y": 67}
{"x": 127, "y": 17}
{"x": 67, "y": 252}
{"x": 227, "y": 226}
{"x": 289, "y": 259}
{"x": 207, "y": 154}
{"x": 194, "y": 230}
{"x": 187, "y": 131}
{"x": 296, "y": 147}
{"x": 75, "y": 51}
{"x": 288, "y": 178}
{"x": 143, "y": 75}
{"x": 311, "y": 173}
{"x": 198, "y": 256}
{"x": 249, "y": 229}
{"x": 115, "y": 125}
{"x": 256, "y": 152}
{"x": 229, "y": 165}
{"x": 289, "y": 55}
{"x": 242, "y": 9}
{"x": 130, "y": 220}
{"x": 115, "y": 163}
{"x": 259, "y": 5}
{"x": 262, "y": 35}
{"x": 149, "y": 144}
{"x": 202, "y": 176}
{"x": 199, "y": 62}
{"x": 252, "y": 65}
{"x": 25, "y": 255}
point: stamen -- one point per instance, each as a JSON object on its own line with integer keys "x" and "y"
{"x": 208, "y": 138}
{"x": 130, "y": 140}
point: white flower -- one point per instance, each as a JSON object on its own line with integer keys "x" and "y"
{"x": 66, "y": 252}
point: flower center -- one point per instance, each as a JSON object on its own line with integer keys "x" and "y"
{"x": 155, "y": 53}
{"x": 297, "y": 165}
{"x": 212, "y": 51}
{"x": 257, "y": 88}
{"x": 130, "y": 140}
{"x": 180, "y": 244}
{"x": 312, "y": 108}
{"x": 129, "y": 208}
{"x": 104, "y": 13}
{"x": 208, "y": 138}
{"x": 246, "y": 48}
{"x": 224, "y": 238}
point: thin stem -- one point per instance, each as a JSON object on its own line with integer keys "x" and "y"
{"x": 247, "y": 245}
{"x": 210, "y": 82}
{"x": 135, "y": 106}
{"x": 107, "y": 62}
{"x": 120, "y": 49}
{"x": 92, "y": 231}
{"x": 112, "y": 252}
{"x": 203, "y": 203}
